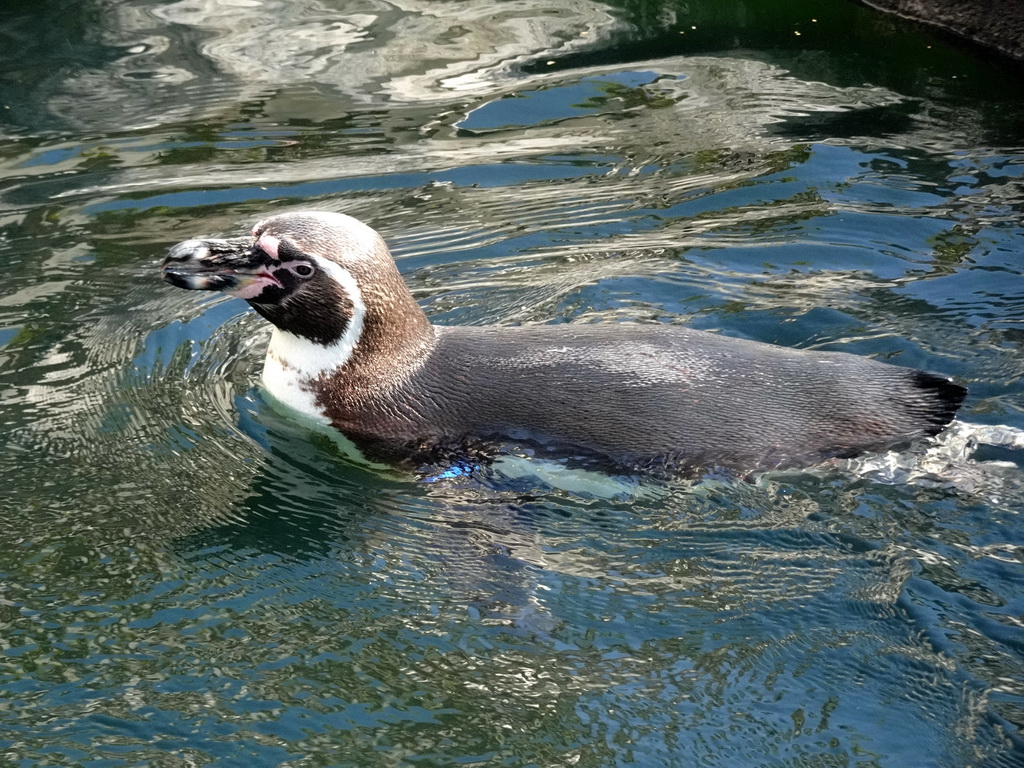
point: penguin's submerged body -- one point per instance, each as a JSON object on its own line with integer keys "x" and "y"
{"x": 353, "y": 349}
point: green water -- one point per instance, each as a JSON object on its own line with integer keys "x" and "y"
{"x": 188, "y": 578}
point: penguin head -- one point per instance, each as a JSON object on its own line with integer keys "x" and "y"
{"x": 317, "y": 275}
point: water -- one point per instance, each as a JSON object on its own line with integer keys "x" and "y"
{"x": 189, "y": 578}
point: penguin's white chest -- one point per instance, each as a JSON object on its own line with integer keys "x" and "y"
{"x": 293, "y": 366}
{"x": 291, "y": 388}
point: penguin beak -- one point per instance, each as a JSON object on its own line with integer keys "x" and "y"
{"x": 236, "y": 267}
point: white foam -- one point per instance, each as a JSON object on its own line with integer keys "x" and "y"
{"x": 946, "y": 460}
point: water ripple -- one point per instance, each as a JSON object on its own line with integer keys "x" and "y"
{"x": 189, "y": 576}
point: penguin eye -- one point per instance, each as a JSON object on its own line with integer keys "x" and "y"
{"x": 304, "y": 270}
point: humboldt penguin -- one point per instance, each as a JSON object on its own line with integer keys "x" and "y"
{"x": 351, "y": 348}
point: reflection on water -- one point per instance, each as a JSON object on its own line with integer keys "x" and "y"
{"x": 189, "y": 578}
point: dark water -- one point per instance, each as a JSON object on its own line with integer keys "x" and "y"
{"x": 190, "y": 579}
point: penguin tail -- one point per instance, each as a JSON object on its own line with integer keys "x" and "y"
{"x": 943, "y": 396}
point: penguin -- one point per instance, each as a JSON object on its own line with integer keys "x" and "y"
{"x": 351, "y": 348}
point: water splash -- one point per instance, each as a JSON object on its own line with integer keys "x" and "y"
{"x": 948, "y": 460}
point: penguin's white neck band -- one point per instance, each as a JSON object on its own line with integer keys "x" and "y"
{"x": 306, "y": 359}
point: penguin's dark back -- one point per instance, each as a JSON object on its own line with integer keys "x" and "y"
{"x": 637, "y": 394}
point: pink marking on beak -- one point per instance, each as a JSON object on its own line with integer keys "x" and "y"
{"x": 269, "y": 245}
{"x": 252, "y": 286}
{"x": 270, "y": 277}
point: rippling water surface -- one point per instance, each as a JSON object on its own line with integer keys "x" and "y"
{"x": 188, "y": 578}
